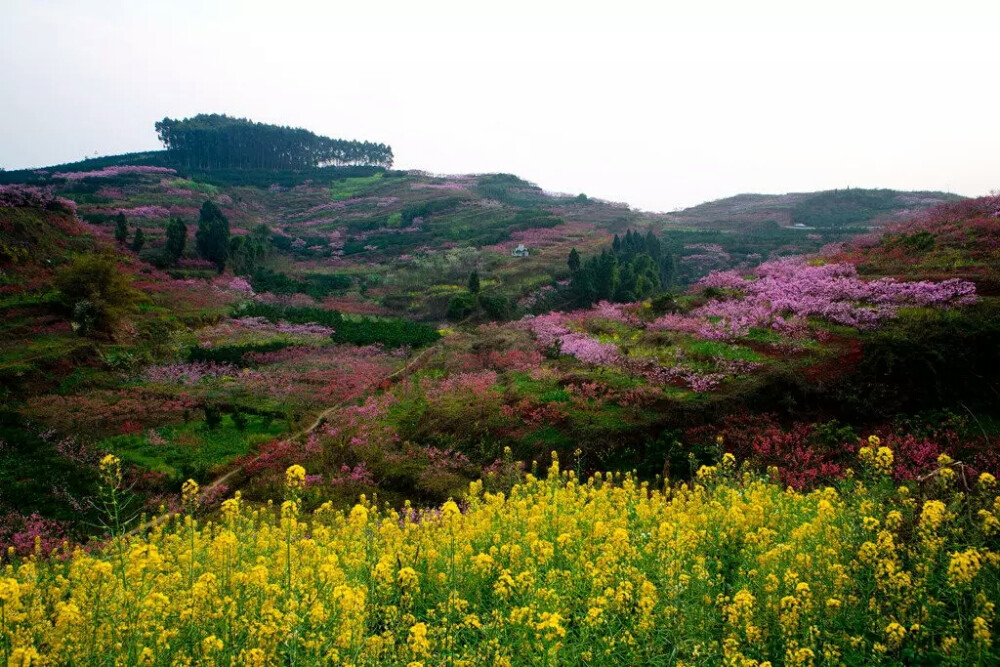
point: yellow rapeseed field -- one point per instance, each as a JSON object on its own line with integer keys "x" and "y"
{"x": 730, "y": 568}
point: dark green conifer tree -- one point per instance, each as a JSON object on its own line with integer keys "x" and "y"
{"x": 121, "y": 229}
{"x": 176, "y": 239}
{"x": 138, "y": 240}
{"x": 212, "y": 237}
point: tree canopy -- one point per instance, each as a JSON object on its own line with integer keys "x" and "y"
{"x": 95, "y": 292}
{"x": 212, "y": 237}
{"x": 176, "y": 239}
{"x": 211, "y": 141}
{"x": 634, "y": 268}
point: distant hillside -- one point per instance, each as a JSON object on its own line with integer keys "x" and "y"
{"x": 364, "y": 238}
{"x": 829, "y": 209}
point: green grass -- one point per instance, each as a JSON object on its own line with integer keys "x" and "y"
{"x": 203, "y": 188}
{"x": 710, "y": 349}
{"x": 352, "y": 187}
{"x": 192, "y": 449}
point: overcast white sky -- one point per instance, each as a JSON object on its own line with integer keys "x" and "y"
{"x": 661, "y": 104}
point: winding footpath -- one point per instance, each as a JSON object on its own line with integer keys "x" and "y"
{"x": 237, "y": 476}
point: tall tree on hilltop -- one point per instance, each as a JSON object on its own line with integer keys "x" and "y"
{"x": 176, "y": 239}
{"x": 214, "y": 141}
{"x": 212, "y": 237}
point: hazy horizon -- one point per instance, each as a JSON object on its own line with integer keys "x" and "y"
{"x": 660, "y": 108}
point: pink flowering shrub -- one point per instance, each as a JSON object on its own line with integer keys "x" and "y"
{"x": 120, "y": 170}
{"x": 26, "y": 534}
{"x": 808, "y": 456}
{"x": 783, "y": 293}
{"x": 145, "y": 212}
{"x": 110, "y": 412}
{"x": 29, "y": 196}
{"x": 188, "y": 373}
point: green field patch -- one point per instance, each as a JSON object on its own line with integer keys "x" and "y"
{"x": 186, "y": 184}
{"x": 352, "y": 187}
{"x": 192, "y": 449}
{"x": 711, "y": 349}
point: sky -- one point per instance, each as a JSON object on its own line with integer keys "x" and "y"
{"x": 658, "y": 104}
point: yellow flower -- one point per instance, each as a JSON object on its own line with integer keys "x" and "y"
{"x": 551, "y": 625}
{"x": 981, "y": 631}
{"x": 894, "y": 634}
{"x": 874, "y": 441}
{"x": 111, "y": 470}
{"x": 707, "y": 473}
{"x": 987, "y": 482}
{"x": 933, "y": 515}
{"x": 189, "y": 492}
{"x": 358, "y": 515}
{"x": 211, "y": 644}
{"x": 24, "y": 657}
{"x": 231, "y": 507}
{"x": 963, "y": 567}
{"x": 408, "y": 578}
{"x": 883, "y": 460}
{"x": 991, "y": 525}
{"x": 295, "y": 478}
{"x": 418, "y": 641}
{"x": 450, "y": 509}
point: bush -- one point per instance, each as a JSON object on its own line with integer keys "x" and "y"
{"x": 461, "y": 306}
{"x": 96, "y": 293}
{"x": 497, "y": 306}
{"x": 213, "y": 416}
{"x": 316, "y": 286}
{"x": 357, "y": 331}
{"x": 234, "y": 354}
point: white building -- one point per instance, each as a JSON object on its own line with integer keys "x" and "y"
{"x": 519, "y": 251}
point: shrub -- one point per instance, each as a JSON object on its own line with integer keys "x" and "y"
{"x": 461, "y": 306}
{"x": 96, "y": 293}
{"x": 213, "y": 416}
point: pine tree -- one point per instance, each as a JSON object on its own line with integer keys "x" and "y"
{"x": 246, "y": 253}
{"x": 574, "y": 260}
{"x": 212, "y": 237}
{"x": 121, "y": 229}
{"x": 138, "y": 240}
{"x": 474, "y": 282}
{"x": 176, "y": 239}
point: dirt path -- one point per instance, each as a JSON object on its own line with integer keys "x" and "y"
{"x": 236, "y": 476}
{"x": 389, "y": 378}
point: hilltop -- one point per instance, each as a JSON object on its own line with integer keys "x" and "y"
{"x": 857, "y": 209}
